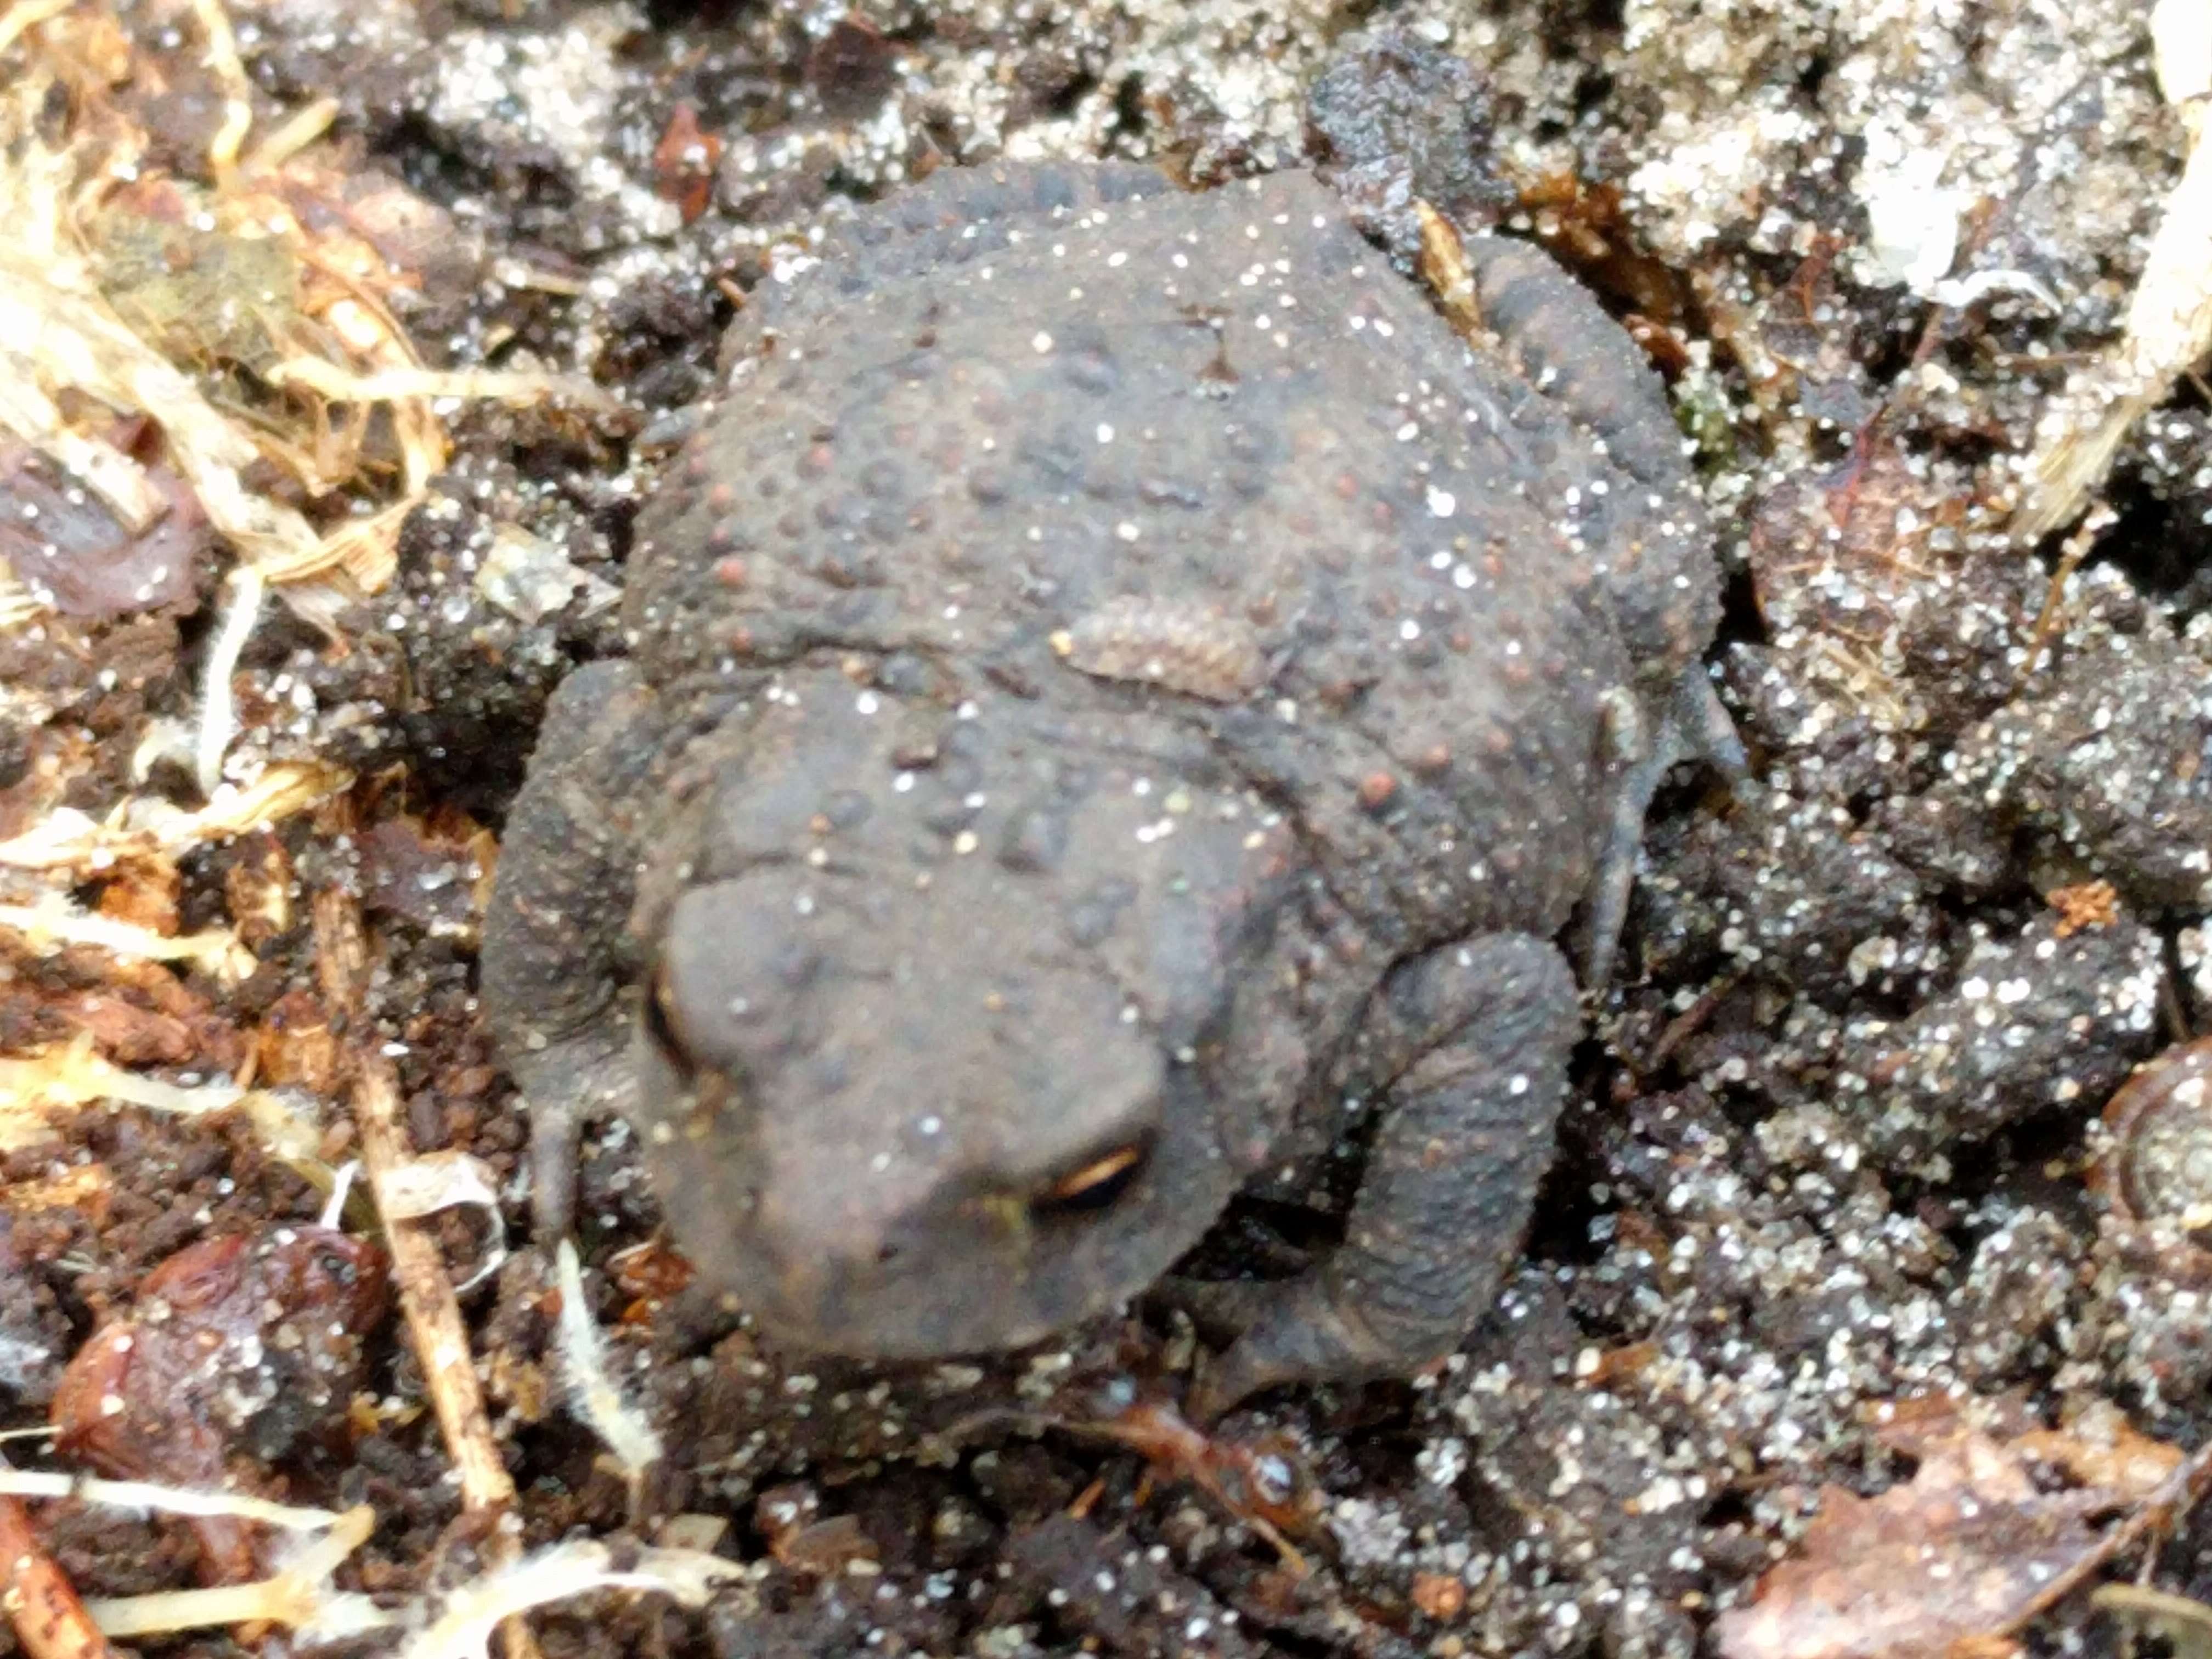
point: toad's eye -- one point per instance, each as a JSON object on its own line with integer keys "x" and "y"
{"x": 661, "y": 1028}
{"x": 1098, "y": 1184}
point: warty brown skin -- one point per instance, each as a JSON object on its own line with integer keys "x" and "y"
{"x": 1114, "y": 680}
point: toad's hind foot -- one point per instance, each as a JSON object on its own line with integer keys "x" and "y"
{"x": 1695, "y": 726}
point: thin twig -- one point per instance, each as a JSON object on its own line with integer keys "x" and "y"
{"x": 1686, "y": 1025}
{"x": 2175, "y": 1497}
{"x": 162, "y": 1500}
{"x": 427, "y": 1301}
{"x": 2070, "y": 554}
{"x": 223, "y": 60}
{"x": 2169, "y": 321}
{"x": 426, "y": 1297}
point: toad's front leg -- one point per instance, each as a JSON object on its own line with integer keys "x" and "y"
{"x": 1471, "y": 1042}
{"x": 553, "y": 988}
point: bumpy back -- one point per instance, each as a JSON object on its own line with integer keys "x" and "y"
{"x": 1066, "y": 444}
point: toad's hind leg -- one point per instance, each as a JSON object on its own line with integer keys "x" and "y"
{"x": 552, "y": 983}
{"x": 1695, "y": 726}
{"x": 1471, "y": 1042}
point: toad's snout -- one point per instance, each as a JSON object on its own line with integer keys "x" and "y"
{"x": 943, "y": 1237}
{"x": 943, "y": 1277}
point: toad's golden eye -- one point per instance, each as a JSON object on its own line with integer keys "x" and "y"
{"x": 1095, "y": 1183}
{"x": 660, "y": 1022}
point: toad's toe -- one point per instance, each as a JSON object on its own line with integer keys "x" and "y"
{"x": 1695, "y": 726}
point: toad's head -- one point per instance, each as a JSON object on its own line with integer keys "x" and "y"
{"x": 928, "y": 1054}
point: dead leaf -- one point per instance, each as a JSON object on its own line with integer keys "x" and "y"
{"x": 1953, "y": 1561}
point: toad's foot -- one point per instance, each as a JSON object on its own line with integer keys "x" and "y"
{"x": 1695, "y": 726}
{"x": 562, "y": 1087}
{"x": 1471, "y": 1042}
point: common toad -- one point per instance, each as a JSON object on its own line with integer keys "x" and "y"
{"x": 1115, "y": 686}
